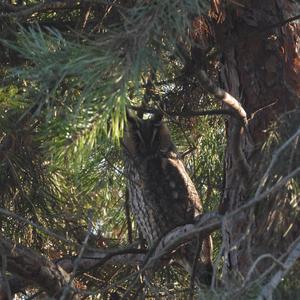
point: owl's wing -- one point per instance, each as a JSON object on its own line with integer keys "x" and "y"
{"x": 180, "y": 199}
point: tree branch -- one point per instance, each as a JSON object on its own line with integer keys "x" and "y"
{"x": 184, "y": 114}
{"x": 223, "y": 96}
{"x": 35, "y": 268}
{"x": 204, "y": 226}
{"x": 293, "y": 256}
{"x": 68, "y": 286}
{"x": 275, "y": 157}
{"x": 52, "y": 276}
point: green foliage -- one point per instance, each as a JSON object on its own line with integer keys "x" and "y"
{"x": 77, "y": 87}
{"x": 63, "y": 114}
{"x": 102, "y": 69}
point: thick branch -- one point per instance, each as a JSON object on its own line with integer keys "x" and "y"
{"x": 203, "y": 227}
{"x": 223, "y": 96}
{"x": 32, "y": 269}
{"x": 239, "y": 125}
{"x": 95, "y": 259}
{"x": 35, "y": 268}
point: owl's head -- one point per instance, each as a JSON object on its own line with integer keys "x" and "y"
{"x": 147, "y": 137}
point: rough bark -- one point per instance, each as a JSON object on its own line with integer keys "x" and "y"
{"x": 260, "y": 67}
{"x": 35, "y": 268}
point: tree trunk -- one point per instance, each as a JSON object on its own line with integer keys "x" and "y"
{"x": 261, "y": 68}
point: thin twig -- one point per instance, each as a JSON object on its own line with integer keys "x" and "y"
{"x": 41, "y": 228}
{"x": 183, "y": 114}
{"x": 275, "y": 157}
{"x": 78, "y": 258}
{"x": 267, "y": 290}
{"x": 257, "y": 261}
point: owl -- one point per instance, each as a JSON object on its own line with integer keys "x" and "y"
{"x": 161, "y": 193}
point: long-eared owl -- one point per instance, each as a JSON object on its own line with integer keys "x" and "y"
{"x": 161, "y": 193}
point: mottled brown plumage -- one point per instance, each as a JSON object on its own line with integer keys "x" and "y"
{"x": 162, "y": 195}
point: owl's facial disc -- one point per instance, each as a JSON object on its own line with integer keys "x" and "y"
{"x": 147, "y": 137}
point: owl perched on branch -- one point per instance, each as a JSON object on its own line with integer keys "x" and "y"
{"x": 161, "y": 193}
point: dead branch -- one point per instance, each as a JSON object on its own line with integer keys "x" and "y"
{"x": 240, "y": 123}
{"x": 93, "y": 259}
{"x": 268, "y": 289}
{"x": 275, "y": 158}
{"x": 276, "y": 187}
{"x": 257, "y": 261}
{"x": 223, "y": 96}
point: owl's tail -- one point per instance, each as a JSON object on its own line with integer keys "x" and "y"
{"x": 203, "y": 269}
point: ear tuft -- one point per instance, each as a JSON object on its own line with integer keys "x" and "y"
{"x": 128, "y": 140}
{"x": 166, "y": 144}
{"x": 130, "y": 116}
